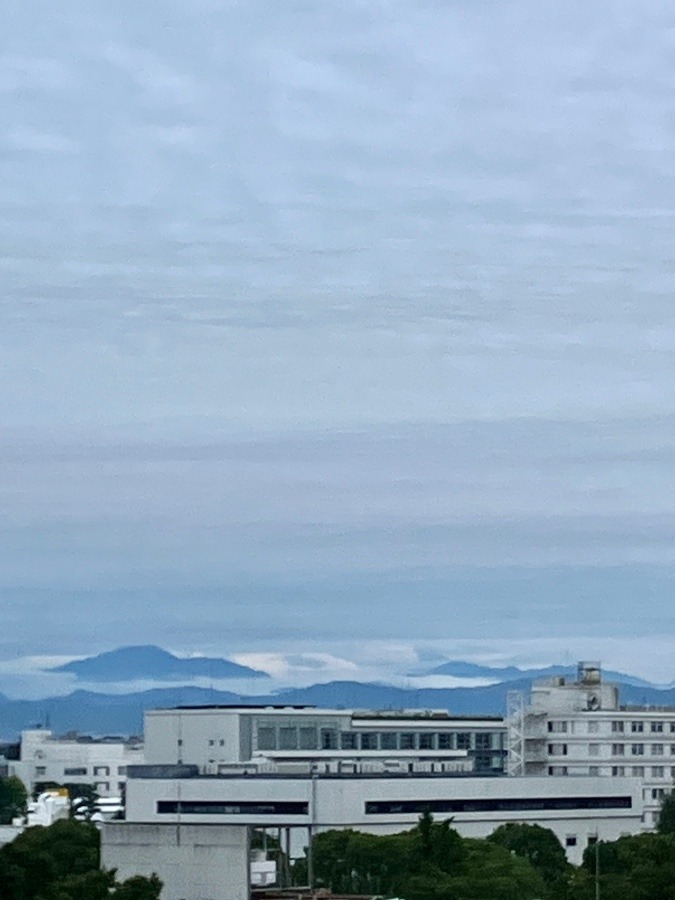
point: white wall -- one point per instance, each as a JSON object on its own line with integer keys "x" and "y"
{"x": 195, "y": 862}
{"x": 340, "y": 803}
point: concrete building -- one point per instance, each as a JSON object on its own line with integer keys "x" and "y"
{"x": 213, "y": 737}
{"x": 77, "y": 759}
{"x": 579, "y": 728}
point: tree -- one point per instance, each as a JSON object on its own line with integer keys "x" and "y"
{"x": 13, "y": 799}
{"x": 539, "y": 846}
{"x": 139, "y": 888}
{"x": 62, "y": 862}
{"x": 666, "y": 823}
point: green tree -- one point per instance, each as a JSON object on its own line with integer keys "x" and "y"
{"x": 139, "y": 888}
{"x": 13, "y": 799}
{"x": 540, "y": 847}
{"x": 666, "y": 823}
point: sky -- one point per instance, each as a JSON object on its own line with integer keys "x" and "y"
{"x": 338, "y": 335}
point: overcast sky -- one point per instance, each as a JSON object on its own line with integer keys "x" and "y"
{"x": 335, "y": 322}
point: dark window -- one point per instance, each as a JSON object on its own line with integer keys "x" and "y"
{"x": 407, "y": 740}
{"x": 388, "y": 740}
{"x": 483, "y": 741}
{"x": 267, "y": 738}
{"x": 76, "y": 771}
{"x": 445, "y": 741}
{"x": 571, "y": 840}
{"x": 329, "y": 739}
{"x": 232, "y": 808}
{"x": 506, "y": 804}
{"x": 464, "y": 740}
{"x": 426, "y": 741}
{"x": 369, "y": 740}
{"x": 349, "y": 740}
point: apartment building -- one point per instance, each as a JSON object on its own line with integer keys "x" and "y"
{"x": 580, "y": 728}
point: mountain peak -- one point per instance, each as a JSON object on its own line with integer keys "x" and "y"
{"x": 151, "y": 663}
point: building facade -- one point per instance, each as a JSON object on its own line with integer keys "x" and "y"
{"x": 78, "y": 759}
{"x": 580, "y": 728}
{"x": 214, "y": 737}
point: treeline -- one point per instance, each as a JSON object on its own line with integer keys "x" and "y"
{"x": 62, "y": 862}
{"x": 517, "y": 862}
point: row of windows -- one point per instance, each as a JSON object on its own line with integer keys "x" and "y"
{"x": 635, "y": 726}
{"x": 79, "y": 771}
{"x": 386, "y": 807}
{"x": 232, "y": 808}
{"x": 311, "y": 738}
{"x": 507, "y": 804}
{"x": 622, "y": 771}
{"x": 617, "y": 749}
{"x": 639, "y": 749}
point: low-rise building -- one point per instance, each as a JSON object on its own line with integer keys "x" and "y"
{"x": 75, "y": 759}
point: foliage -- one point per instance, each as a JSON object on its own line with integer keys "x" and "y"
{"x": 62, "y": 862}
{"x": 541, "y": 848}
{"x": 429, "y": 862}
{"x": 641, "y": 867}
{"x": 13, "y": 799}
{"x": 666, "y": 823}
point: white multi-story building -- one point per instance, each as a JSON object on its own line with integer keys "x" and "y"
{"x": 99, "y": 762}
{"x": 580, "y": 728}
{"x": 214, "y": 737}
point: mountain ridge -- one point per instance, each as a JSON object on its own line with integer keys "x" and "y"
{"x": 152, "y": 663}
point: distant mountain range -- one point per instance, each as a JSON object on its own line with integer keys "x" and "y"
{"x": 459, "y": 669}
{"x": 150, "y": 663}
{"x": 98, "y": 714}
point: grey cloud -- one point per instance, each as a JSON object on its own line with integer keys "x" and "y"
{"x": 305, "y": 291}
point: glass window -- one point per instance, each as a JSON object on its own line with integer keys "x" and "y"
{"x": 464, "y": 740}
{"x": 369, "y": 740}
{"x": 267, "y": 738}
{"x": 557, "y": 749}
{"x": 594, "y": 770}
{"x": 121, "y": 770}
{"x": 407, "y": 740}
{"x": 571, "y": 840}
{"x": 617, "y": 727}
{"x": 426, "y": 740}
{"x": 657, "y": 749}
{"x": 445, "y": 741}
{"x": 557, "y": 727}
{"x": 388, "y": 740}
{"x": 658, "y": 771}
{"x": 77, "y": 770}
{"x": 308, "y": 739}
{"x": 637, "y": 727}
{"x": 637, "y": 749}
{"x": 329, "y": 739}
{"x": 657, "y": 727}
{"x": 349, "y": 740}
{"x": 618, "y": 750}
{"x": 638, "y": 772}
{"x": 288, "y": 738}
{"x": 483, "y": 740}
{"x": 40, "y": 770}
{"x": 618, "y": 771}
{"x": 101, "y": 770}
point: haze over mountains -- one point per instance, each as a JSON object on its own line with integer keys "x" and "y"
{"x": 105, "y": 713}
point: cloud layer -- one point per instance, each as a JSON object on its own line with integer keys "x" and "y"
{"x": 335, "y": 320}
